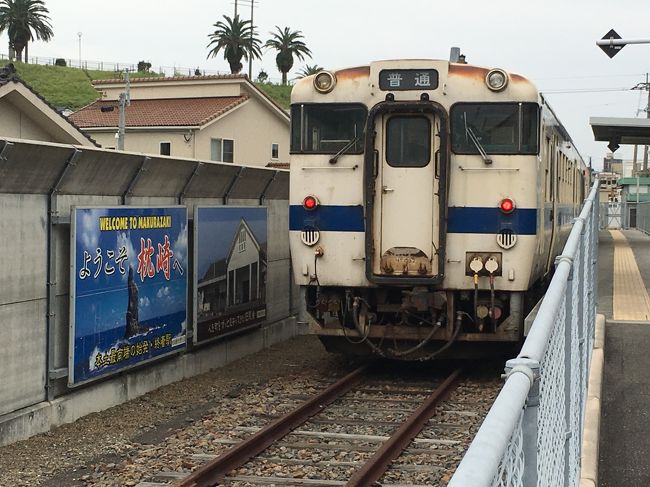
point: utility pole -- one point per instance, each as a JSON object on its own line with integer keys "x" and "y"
{"x": 250, "y": 54}
{"x": 645, "y": 86}
{"x": 79, "y": 34}
{"x": 125, "y": 101}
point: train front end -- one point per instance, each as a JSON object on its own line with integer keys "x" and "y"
{"x": 414, "y": 224}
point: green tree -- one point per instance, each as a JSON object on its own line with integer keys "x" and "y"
{"x": 308, "y": 70}
{"x": 238, "y": 40}
{"x": 288, "y": 45}
{"x": 24, "y": 21}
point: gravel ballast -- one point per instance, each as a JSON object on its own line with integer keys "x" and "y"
{"x": 75, "y": 454}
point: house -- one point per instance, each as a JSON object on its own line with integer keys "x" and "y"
{"x": 222, "y": 118}
{"x": 27, "y": 115}
{"x": 634, "y": 190}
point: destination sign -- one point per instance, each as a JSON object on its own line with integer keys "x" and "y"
{"x": 408, "y": 79}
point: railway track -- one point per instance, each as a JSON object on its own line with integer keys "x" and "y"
{"x": 354, "y": 432}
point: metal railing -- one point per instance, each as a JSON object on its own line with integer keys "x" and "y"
{"x": 532, "y": 435}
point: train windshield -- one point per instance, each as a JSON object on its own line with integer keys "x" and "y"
{"x": 497, "y": 128}
{"x": 327, "y": 128}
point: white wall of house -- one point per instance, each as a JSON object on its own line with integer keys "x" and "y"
{"x": 253, "y": 128}
{"x": 158, "y": 90}
{"x": 14, "y": 123}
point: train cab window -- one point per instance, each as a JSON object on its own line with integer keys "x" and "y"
{"x": 327, "y": 128}
{"x": 497, "y": 128}
{"x": 408, "y": 141}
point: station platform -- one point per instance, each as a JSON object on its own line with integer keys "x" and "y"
{"x": 623, "y": 297}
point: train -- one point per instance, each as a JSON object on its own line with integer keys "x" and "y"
{"x": 428, "y": 200}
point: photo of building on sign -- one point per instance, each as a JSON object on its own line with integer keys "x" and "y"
{"x": 231, "y": 270}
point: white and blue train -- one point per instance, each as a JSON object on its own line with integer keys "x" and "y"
{"x": 428, "y": 201}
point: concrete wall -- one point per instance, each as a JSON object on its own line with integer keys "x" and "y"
{"x": 35, "y": 225}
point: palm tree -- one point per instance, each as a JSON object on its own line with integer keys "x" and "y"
{"x": 288, "y": 45}
{"x": 24, "y": 20}
{"x": 308, "y": 70}
{"x": 238, "y": 40}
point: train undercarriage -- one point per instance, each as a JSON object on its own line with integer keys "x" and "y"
{"x": 418, "y": 323}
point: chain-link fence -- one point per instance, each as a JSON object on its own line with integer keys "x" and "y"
{"x": 532, "y": 435}
{"x": 643, "y": 216}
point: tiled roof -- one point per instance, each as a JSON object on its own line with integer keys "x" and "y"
{"x": 157, "y": 113}
{"x": 278, "y": 165}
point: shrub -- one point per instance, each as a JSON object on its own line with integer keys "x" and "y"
{"x": 144, "y": 66}
{"x": 262, "y": 77}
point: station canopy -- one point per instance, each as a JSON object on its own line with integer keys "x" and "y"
{"x": 619, "y": 131}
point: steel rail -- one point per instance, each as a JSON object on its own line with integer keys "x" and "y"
{"x": 377, "y": 465}
{"x": 214, "y": 471}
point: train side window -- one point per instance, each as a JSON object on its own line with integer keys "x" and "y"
{"x": 408, "y": 141}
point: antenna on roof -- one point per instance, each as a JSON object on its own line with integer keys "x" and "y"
{"x": 125, "y": 101}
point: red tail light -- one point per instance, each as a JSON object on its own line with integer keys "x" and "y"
{"x": 309, "y": 203}
{"x": 507, "y": 205}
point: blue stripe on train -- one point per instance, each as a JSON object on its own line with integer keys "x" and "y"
{"x": 328, "y": 218}
{"x": 523, "y": 221}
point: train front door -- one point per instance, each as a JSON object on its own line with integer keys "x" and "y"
{"x": 406, "y": 205}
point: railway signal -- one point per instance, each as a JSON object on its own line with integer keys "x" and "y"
{"x": 611, "y": 43}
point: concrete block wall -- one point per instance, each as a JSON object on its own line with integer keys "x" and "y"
{"x": 34, "y": 394}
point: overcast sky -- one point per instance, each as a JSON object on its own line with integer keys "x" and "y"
{"x": 550, "y": 42}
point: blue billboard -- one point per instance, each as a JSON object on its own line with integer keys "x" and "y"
{"x": 128, "y": 298}
{"x": 230, "y": 270}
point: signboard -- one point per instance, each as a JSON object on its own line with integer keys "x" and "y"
{"x": 611, "y": 49}
{"x": 128, "y": 297}
{"x": 408, "y": 79}
{"x": 230, "y": 270}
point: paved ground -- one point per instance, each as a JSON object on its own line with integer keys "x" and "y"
{"x": 625, "y": 426}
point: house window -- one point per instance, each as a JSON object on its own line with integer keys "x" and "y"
{"x": 242, "y": 240}
{"x": 165, "y": 148}
{"x": 275, "y": 148}
{"x": 222, "y": 150}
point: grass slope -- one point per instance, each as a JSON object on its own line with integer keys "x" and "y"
{"x": 71, "y": 87}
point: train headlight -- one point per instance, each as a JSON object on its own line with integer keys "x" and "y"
{"x": 496, "y": 79}
{"x": 309, "y": 203}
{"x": 507, "y": 205}
{"x": 324, "y": 82}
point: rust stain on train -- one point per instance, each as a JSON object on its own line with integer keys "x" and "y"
{"x": 353, "y": 73}
{"x": 477, "y": 73}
